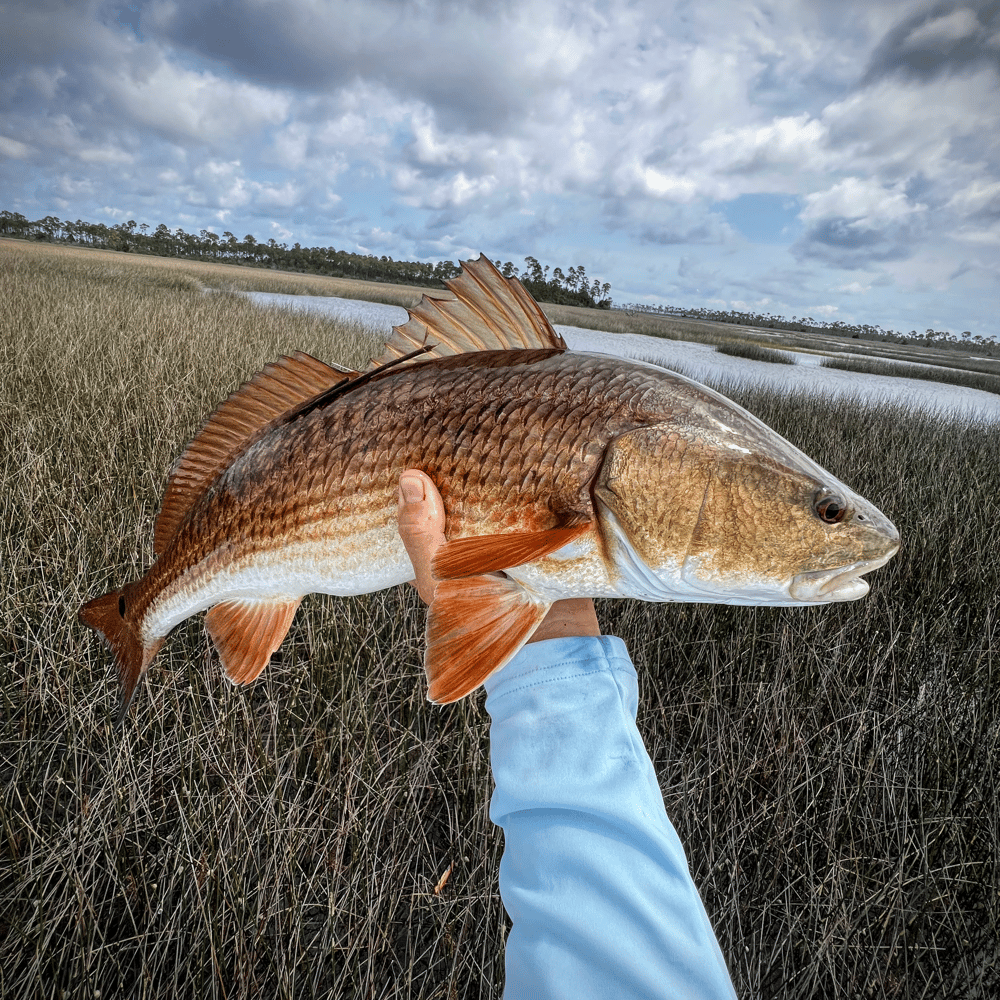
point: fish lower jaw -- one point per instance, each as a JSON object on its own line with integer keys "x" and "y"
{"x": 842, "y": 588}
{"x": 844, "y": 583}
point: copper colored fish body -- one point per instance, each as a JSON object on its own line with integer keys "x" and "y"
{"x": 562, "y": 475}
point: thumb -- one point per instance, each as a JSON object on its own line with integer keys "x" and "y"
{"x": 421, "y": 526}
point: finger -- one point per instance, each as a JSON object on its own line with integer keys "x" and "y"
{"x": 421, "y": 526}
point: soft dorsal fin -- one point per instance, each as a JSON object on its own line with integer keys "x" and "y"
{"x": 488, "y": 313}
{"x": 243, "y": 418}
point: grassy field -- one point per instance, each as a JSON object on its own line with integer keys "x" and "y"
{"x": 726, "y": 336}
{"x": 833, "y": 772}
{"x": 171, "y": 271}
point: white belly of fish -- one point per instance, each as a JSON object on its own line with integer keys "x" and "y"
{"x": 575, "y": 570}
{"x": 361, "y": 563}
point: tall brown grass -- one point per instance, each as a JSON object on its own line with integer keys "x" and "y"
{"x": 832, "y": 772}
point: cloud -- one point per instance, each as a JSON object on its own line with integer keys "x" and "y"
{"x": 627, "y": 133}
{"x": 824, "y": 310}
{"x": 180, "y": 103}
{"x": 13, "y": 148}
{"x": 793, "y": 140}
{"x": 858, "y": 221}
{"x": 864, "y": 201}
{"x": 478, "y": 64}
{"x": 979, "y": 199}
{"x": 699, "y": 278}
{"x": 108, "y": 155}
{"x": 948, "y": 37}
{"x": 853, "y": 288}
{"x": 219, "y": 185}
{"x": 673, "y": 187}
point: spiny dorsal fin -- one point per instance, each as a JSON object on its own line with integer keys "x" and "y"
{"x": 242, "y": 419}
{"x": 488, "y": 313}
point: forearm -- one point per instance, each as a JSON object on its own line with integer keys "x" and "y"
{"x": 572, "y": 617}
{"x": 593, "y": 875}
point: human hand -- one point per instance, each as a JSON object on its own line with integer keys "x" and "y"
{"x": 421, "y": 527}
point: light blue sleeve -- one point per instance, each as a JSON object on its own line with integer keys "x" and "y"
{"x": 593, "y": 874}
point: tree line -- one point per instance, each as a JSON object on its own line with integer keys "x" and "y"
{"x": 544, "y": 283}
{"x": 837, "y": 328}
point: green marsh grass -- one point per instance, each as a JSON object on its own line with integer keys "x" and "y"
{"x": 754, "y": 352}
{"x": 866, "y": 366}
{"x": 832, "y": 772}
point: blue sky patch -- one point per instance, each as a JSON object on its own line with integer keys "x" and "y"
{"x": 763, "y": 218}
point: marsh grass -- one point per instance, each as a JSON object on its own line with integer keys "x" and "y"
{"x": 833, "y": 773}
{"x": 646, "y": 324}
{"x": 969, "y": 379}
{"x": 754, "y": 352}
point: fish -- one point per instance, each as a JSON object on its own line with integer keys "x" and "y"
{"x": 563, "y": 474}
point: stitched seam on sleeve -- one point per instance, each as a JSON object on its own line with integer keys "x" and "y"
{"x": 545, "y": 676}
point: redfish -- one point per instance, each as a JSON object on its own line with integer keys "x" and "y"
{"x": 563, "y": 475}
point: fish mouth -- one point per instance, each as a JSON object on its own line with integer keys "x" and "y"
{"x": 844, "y": 583}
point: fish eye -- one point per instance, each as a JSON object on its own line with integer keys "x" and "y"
{"x": 830, "y": 508}
{"x": 121, "y": 606}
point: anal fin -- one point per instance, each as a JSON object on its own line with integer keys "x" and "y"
{"x": 247, "y": 632}
{"x": 475, "y": 625}
{"x": 489, "y": 553}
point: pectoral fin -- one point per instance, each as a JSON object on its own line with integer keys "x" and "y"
{"x": 475, "y": 625}
{"x": 489, "y": 553}
{"x": 246, "y": 633}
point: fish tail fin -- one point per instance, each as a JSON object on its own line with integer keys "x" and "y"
{"x": 106, "y": 615}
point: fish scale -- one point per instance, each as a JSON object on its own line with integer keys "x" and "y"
{"x": 562, "y": 475}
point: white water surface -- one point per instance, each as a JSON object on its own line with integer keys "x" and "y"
{"x": 701, "y": 361}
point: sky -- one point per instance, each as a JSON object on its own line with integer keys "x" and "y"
{"x": 824, "y": 158}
